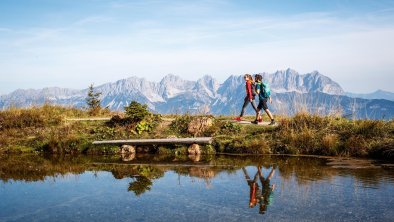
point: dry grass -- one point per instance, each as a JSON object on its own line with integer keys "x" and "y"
{"x": 328, "y": 135}
{"x": 43, "y": 129}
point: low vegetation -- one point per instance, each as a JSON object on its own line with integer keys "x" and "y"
{"x": 46, "y": 129}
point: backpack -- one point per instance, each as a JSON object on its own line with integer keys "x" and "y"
{"x": 266, "y": 91}
{"x": 253, "y": 87}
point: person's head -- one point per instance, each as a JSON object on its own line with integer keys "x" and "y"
{"x": 252, "y": 203}
{"x": 248, "y": 77}
{"x": 262, "y": 208}
{"x": 258, "y": 78}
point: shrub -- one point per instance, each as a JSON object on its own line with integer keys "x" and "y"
{"x": 20, "y": 119}
{"x": 144, "y": 126}
{"x": 230, "y": 128}
{"x": 181, "y": 123}
{"x": 137, "y": 118}
{"x": 136, "y": 111}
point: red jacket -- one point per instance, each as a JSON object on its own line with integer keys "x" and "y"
{"x": 249, "y": 92}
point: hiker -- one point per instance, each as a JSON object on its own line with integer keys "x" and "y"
{"x": 250, "y": 94}
{"x": 264, "y": 92}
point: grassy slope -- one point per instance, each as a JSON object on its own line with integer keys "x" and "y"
{"x": 45, "y": 129}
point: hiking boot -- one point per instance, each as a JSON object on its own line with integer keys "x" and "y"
{"x": 255, "y": 122}
{"x": 237, "y": 119}
{"x": 260, "y": 119}
{"x": 272, "y": 123}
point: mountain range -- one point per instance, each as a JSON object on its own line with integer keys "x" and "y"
{"x": 378, "y": 94}
{"x": 291, "y": 93}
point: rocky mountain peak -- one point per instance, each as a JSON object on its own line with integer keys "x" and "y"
{"x": 208, "y": 85}
{"x": 174, "y": 94}
{"x": 172, "y": 85}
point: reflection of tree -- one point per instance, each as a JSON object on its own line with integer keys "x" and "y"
{"x": 127, "y": 171}
{"x": 140, "y": 185}
{"x": 142, "y": 178}
{"x": 207, "y": 173}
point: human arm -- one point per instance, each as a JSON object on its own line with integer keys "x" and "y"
{"x": 258, "y": 89}
{"x": 249, "y": 90}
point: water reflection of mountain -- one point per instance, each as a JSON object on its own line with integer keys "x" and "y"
{"x": 144, "y": 169}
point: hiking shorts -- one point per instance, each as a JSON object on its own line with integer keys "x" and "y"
{"x": 263, "y": 104}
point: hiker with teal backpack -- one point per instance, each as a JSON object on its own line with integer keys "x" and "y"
{"x": 250, "y": 94}
{"x": 264, "y": 92}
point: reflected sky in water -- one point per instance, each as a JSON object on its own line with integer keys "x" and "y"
{"x": 179, "y": 189}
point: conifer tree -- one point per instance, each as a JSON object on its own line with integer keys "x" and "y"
{"x": 136, "y": 111}
{"x": 93, "y": 100}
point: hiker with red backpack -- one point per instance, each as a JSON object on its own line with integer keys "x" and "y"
{"x": 250, "y": 94}
{"x": 264, "y": 92}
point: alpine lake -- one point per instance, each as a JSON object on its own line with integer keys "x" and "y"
{"x": 194, "y": 188}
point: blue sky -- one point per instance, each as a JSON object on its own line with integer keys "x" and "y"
{"x": 71, "y": 44}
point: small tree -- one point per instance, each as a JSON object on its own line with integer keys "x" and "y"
{"x": 136, "y": 111}
{"x": 93, "y": 101}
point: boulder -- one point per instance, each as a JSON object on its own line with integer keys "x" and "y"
{"x": 198, "y": 125}
{"x": 194, "y": 149}
{"x": 127, "y": 149}
{"x": 128, "y": 156}
{"x": 195, "y": 158}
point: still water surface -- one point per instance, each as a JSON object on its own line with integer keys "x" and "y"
{"x": 214, "y": 188}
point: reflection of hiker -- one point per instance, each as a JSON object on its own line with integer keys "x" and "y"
{"x": 254, "y": 188}
{"x": 264, "y": 92}
{"x": 250, "y": 94}
{"x": 267, "y": 190}
{"x": 256, "y": 195}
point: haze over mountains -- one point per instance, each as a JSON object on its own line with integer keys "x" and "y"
{"x": 291, "y": 92}
{"x": 378, "y": 94}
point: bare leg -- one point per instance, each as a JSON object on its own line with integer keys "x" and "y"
{"x": 269, "y": 114}
{"x": 271, "y": 174}
{"x": 245, "y": 173}
{"x": 259, "y": 171}
{"x": 257, "y": 114}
